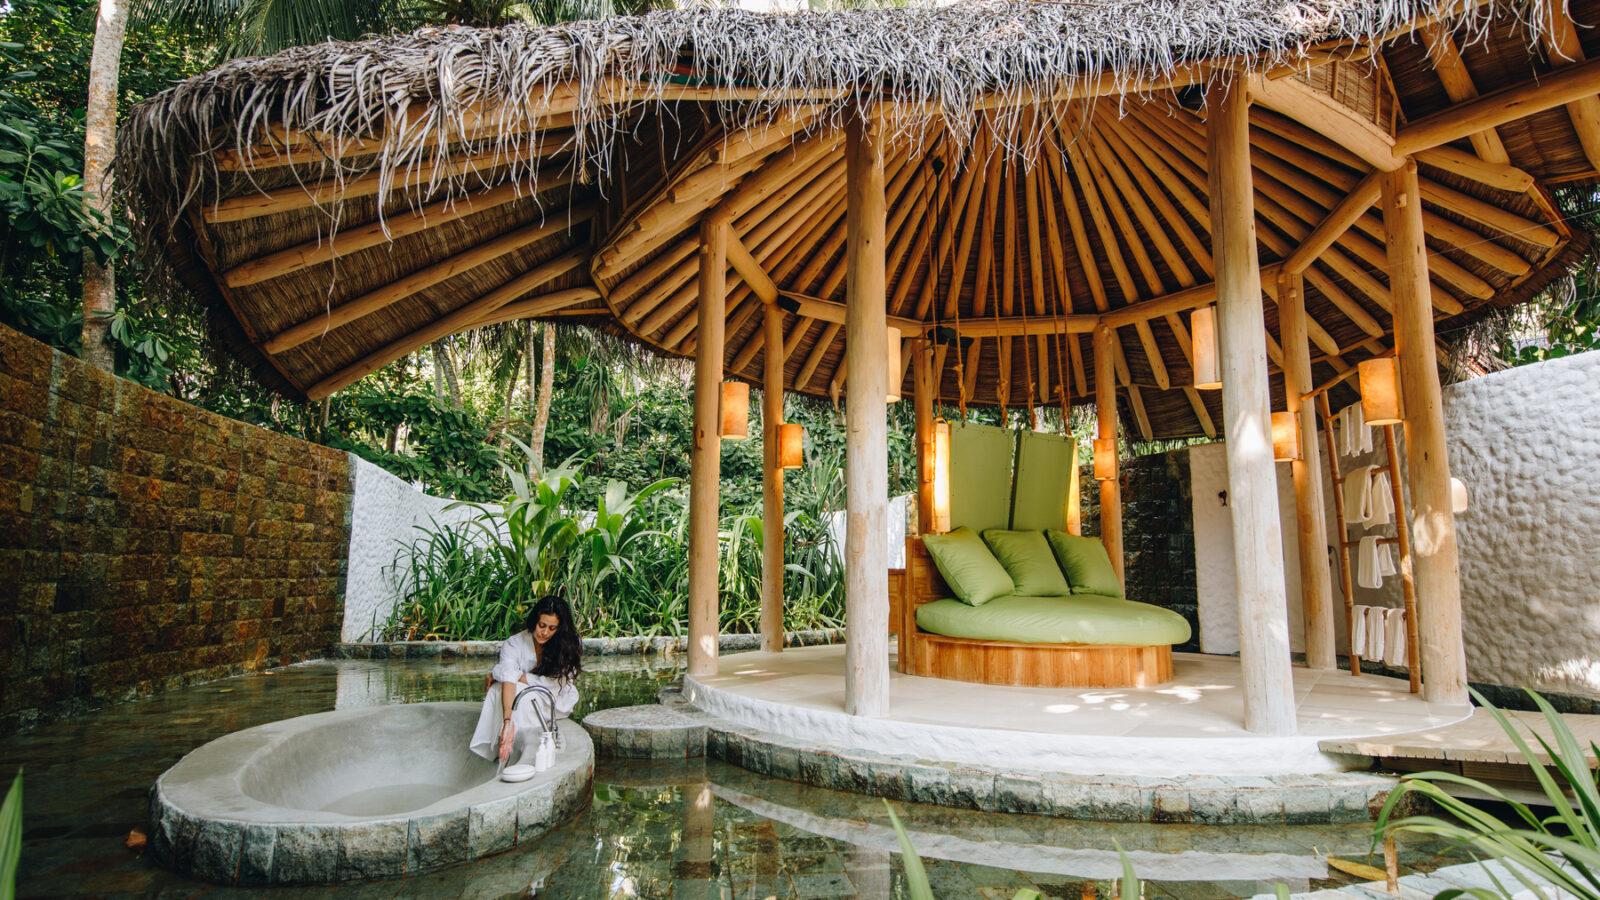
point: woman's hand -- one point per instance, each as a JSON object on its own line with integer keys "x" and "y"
{"x": 508, "y": 736}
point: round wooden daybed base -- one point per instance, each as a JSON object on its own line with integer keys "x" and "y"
{"x": 1037, "y": 665}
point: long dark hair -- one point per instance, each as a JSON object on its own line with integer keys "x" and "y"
{"x": 562, "y": 655}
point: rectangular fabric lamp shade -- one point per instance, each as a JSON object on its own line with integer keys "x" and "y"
{"x": 1380, "y": 390}
{"x": 894, "y": 365}
{"x": 1203, "y": 336}
{"x": 1105, "y": 458}
{"x": 941, "y": 477}
{"x": 791, "y": 445}
{"x": 735, "y": 411}
{"x": 1285, "y": 437}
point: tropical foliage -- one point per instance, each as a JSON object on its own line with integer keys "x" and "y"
{"x": 10, "y": 838}
{"x": 1561, "y": 849}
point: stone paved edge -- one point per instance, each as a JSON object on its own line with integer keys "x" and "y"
{"x": 651, "y": 731}
{"x": 1316, "y": 799}
{"x": 664, "y": 645}
{"x": 227, "y": 852}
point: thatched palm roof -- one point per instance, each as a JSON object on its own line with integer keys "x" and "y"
{"x": 1047, "y": 161}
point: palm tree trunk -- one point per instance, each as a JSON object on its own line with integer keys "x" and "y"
{"x": 99, "y": 147}
{"x": 444, "y": 372}
{"x": 547, "y": 384}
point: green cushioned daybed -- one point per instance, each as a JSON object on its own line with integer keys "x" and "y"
{"x": 1079, "y": 619}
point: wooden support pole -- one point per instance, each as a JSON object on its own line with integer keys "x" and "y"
{"x": 1316, "y": 587}
{"x": 866, "y": 551}
{"x": 925, "y": 385}
{"x": 1246, "y": 402}
{"x": 1433, "y": 523}
{"x": 1105, "y": 407}
{"x": 1347, "y": 585}
{"x": 1402, "y": 541}
{"x": 772, "y": 537}
{"x": 705, "y": 460}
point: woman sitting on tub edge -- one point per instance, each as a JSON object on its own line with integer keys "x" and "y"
{"x": 546, "y": 652}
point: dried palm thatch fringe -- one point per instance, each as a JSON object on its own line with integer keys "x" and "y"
{"x": 921, "y": 61}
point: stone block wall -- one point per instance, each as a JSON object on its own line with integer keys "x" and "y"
{"x": 1157, "y": 532}
{"x": 145, "y": 542}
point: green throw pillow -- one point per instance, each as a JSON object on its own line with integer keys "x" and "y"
{"x": 1027, "y": 559}
{"x": 1085, "y": 563}
{"x": 968, "y": 567}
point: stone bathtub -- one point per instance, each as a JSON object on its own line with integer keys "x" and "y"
{"x": 376, "y": 792}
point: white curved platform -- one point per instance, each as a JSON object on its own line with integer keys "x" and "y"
{"x": 1191, "y": 725}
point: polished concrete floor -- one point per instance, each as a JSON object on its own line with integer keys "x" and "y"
{"x": 1204, "y": 699}
{"x": 685, "y": 830}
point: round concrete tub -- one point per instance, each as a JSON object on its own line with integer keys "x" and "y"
{"x": 376, "y": 792}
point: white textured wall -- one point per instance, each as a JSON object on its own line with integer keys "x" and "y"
{"x": 385, "y": 512}
{"x": 1526, "y": 442}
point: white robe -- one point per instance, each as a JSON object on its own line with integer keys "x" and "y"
{"x": 517, "y": 661}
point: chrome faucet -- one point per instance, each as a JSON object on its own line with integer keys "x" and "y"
{"x": 547, "y": 726}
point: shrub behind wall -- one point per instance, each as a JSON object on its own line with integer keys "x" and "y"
{"x": 145, "y": 542}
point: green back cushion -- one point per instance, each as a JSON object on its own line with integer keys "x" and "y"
{"x": 980, "y": 476}
{"x": 971, "y": 571}
{"x": 1027, "y": 559}
{"x": 1044, "y": 475}
{"x": 1084, "y": 560}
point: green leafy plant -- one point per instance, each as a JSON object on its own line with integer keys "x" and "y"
{"x": 1560, "y": 850}
{"x": 11, "y": 838}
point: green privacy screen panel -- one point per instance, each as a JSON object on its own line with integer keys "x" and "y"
{"x": 1044, "y": 473}
{"x": 980, "y": 476}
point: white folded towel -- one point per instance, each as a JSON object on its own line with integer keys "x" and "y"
{"x": 1354, "y": 435}
{"x": 1394, "y": 637}
{"x": 1381, "y": 495}
{"x": 1374, "y": 561}
{"x": 1358, "y": 632}
{"x": 1375, "y": 633}
{"x": 1358, "y": 495}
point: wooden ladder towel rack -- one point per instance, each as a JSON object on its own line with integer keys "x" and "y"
{"x": 1402, "y": 539}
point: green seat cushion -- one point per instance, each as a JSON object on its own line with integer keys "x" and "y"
{"x": 1027, "y": 559}
{"x": 1085, "y": 563}
{"x": 1079, "y": 619}
{"x": 971, "y": 571}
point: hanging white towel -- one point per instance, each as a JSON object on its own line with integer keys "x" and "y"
{"x": 1358, "y": 632}
{"x": 1374, "y": 562}
{"x": 1381, "y": 495}
{"x": 1358, "y": 495}
{"x": 1394, "y": 637}
{"x": 1375, "y": 633}
{"x": 1354, "y": 435}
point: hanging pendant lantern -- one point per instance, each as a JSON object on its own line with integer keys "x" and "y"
{"x": 894, "y": 374}
{"x": 1285, "y": 436}
{"x": 1203, "y": 336}
{"x": 1105, "y": 459}
{"x": 941, "y": 477}
{"x": 735, "y": 411}
{"x": 791, "y": 445}
{"x": 1380, "y": 390}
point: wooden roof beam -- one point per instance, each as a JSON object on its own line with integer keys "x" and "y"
{"x": 461, "y": 318}
{"x": 395, "y": 291}
{"x": 1563, "y": 49}
{"x": 1328, "y": 117}
{"x": 542, "y": 305}
{"x": 1458, "y": 86}
{"x": 1460, "y": 162}
{"x": 1334, "y": 225}
{"x": 1499, "y": 107}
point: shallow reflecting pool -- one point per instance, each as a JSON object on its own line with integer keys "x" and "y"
{"x": 654, "y": 830}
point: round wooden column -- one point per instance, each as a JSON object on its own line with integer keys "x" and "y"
{"x": 772, "y": 480}
{"x": 866, "y": 567}
{"x": 1105, "y": 407}
{"x": 1311, "y": 526}
{"x": 922, "y": 401}
{"x": 1433, "y": 522}
{"x": 1246, "y": 401}
{"x": 705, "y": 456}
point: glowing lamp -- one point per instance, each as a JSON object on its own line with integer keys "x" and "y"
{"x": 1203, "y": 336}
{"x": 1380, "y": 390}
{"x": 1285, "y": 436}
{"x": 894, "y": 365}
{"x": 791, "y": 445}
{"x": 735, "y": 411}
{"x": 941, "y": 477}
{"x": 1105, "y": 459}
